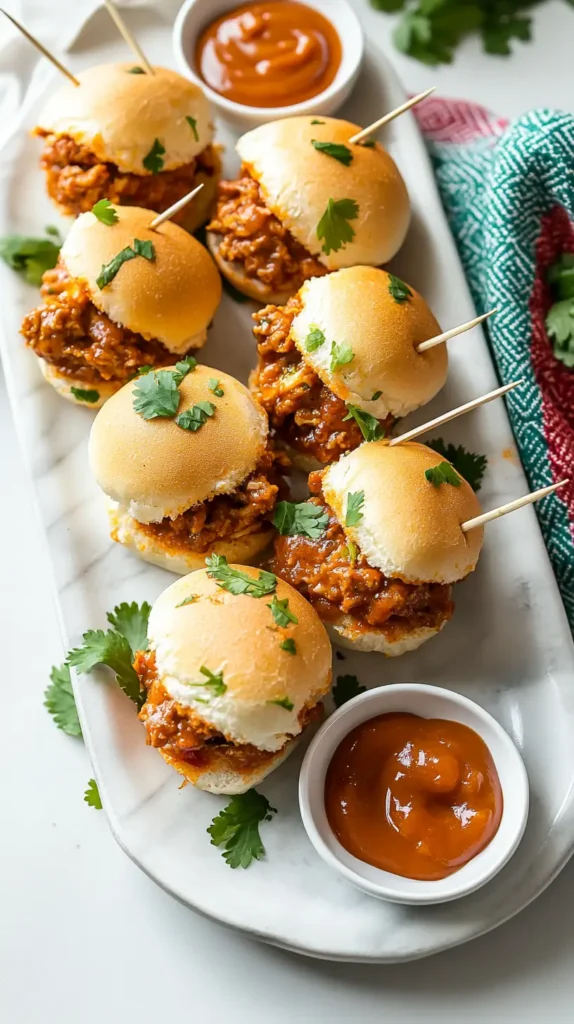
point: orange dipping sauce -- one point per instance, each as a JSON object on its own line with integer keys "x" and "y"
{"x": 271, "y": 54}
{"x": 418, "y": 797}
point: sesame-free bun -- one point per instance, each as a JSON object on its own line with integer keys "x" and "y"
{"x": 298, "y": 181}
{"x": 237, "y": 636}
{"x": 250, "y": 286}
{"x": 171, "y": 298}
{"x": 410, "y": 528}
{"x": 344, "y": 633}
{"x": 156, "y": 469}
{"x": 119, "y": 116}
{"x": 226, "y": 775}
{"x": 355, "y": 307}
{"x": 64, "y": 384}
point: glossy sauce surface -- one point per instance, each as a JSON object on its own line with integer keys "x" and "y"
{"x": 414, "y": 796}
{"x": 269, "y": 54}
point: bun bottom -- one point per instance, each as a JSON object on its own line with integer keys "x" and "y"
{"x": 64, "y": 384}
{"x": 127, "y": 531}
{"x": 249, "y": 286}
{"x": 305, "y": 463}
{"x": 343, "y": 634}
{"x": 222, "y": 778}
{"x": 198, "y": 211}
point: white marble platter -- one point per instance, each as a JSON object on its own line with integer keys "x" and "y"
{"x": 508, "y": 646}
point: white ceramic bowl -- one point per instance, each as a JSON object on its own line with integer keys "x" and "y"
{"x": 195, "y": 15}
{"x": 428, "y": 702}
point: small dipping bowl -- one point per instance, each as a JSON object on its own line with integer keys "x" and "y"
{"x": 195, "y": 15}
{"x": 426, "y": 702}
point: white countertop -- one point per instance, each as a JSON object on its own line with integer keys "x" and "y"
{"x": 83, "y": 934}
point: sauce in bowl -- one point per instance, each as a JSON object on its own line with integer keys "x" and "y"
{"x": 414, "y": 796}
{"x": 270, "y": 54}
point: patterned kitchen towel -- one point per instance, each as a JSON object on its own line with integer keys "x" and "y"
{"x": 508, "y": 191}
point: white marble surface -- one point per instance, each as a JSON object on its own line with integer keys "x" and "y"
{"x": 44, "y": 906}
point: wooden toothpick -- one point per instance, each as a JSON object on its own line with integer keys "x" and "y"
{"x": 454, "y": 332}
{"x": 502, "y": 510}
{"x": 40, "y": 46}
{"x": 128, "y": 36}
{"x": 447, "y": 416}
{"x": 365, "y": 132}
{"x": 167, "y": 214}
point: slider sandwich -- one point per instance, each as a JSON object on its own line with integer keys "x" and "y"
{"x": 131, "y": 137}
{"x": 184, "y": 457}
{"x": 236, "y": 668}
{"x": 386, "y": 546}
{"x": 339, "y": 363}
{"x": 123, "y": 295}
{"x": 306, "y": 201}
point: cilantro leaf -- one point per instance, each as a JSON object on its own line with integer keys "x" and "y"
{"x": 355, "y": 502}
{"x": 352, "y": 551}
{"x": 467, "y": 464}
{"x": 282, "y": 702}
{"x": 345, "y": 689}
{"x": 194, "y": 418}
{"x": 289, "y": 645}
{"x": 90, "y": 395}
{"x": 192, "y": 122}
{"x": 215, "y": 387}
{"x": 154, "y": 160}
{"x": 190, "y": 599}
{"x": 236, "y": 828}
{"x": 156, "y": 394}
{"x": 560, "y": 327}
{"x": 398, "y": 289}
{"x": 281, "y": 613}
{"x": 442, "y": 474}
{"x": 109, "y": 270}
{"x": 367, "y": 143}
{"x": 369, "y": 425}
{"x": 136, "y": 71}
{"x": 315, "y": 338}
{"x": 105, "y": 212}
{"x": 144, "y": 249}
{"x": 315, "y": 121}
{"x": 30, "y": 257}
{"x": 113, "y": 650}
{"x": 238, "y": 582}
{"x": 60, "y": 702}
{"x": 376, "y": 395}
{"x": 183, "y": 367}
{"x": 335, "y": 149}
{"x": 303, "y": 519}
{"x": 334, "y": 229}
{"x": 131, "y": 620}
{"x": 213, "y": 682}
{"x": 341, "y": 355}
{"x": 92, "y": 795}
{"x": 560, "y": 276}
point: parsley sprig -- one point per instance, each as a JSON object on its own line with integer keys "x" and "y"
{"x": 92, "y": 795}
{"x": 213, "y": 683}
{"x": 131, "y": 620}
{"x": 398, "y": 289}
{"x": 281, "y": 612}
{"x": 154, "y": 161}
{"x": 336, "y": 150}
{"x": 354, "y": 513}
{"x": 442, "y": 474}
{"x": 467, "y": 464}
{"x": 60, "y": 702}
{"x": 238, "y": 582}
{"x": 31, "y": 257}
{"x": 303, "y": 519}
{"x": 315, "y": 338}
{"x": 236, "y": 828}
{"x": 88, "y": 395}
{"x": 105, "y": 212}
{"x": 113, "y": 648}
{"x": 192, "y": 122}
{"x": 109, "y": 270}
{"x": 334, "y": 229}
{"x": 560, "y": 316}
{"x": 341, "y": 355}
{"x": 345, "y": 689}
{"x": 369, "y": 425}
{"x": 156, "y": 395}
{"x": 194, "y": 418}
{"x": 283, "y": 702}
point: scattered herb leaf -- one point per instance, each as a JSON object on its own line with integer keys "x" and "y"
{"x": 345, "y": 689}
{"x": 334, "y": 229}
{"x": 467, "y": 464}
{"x": 190, "y": 599}
{"x": 283, "y": 702}
{"x": 236, "y": 828}
{"x": 369, "y": 425}
{"x": 289, "y": 645}
{"x": 213, "y": 681}
{"x": 194, "y": 418}
{"x": 92, "y": 795}
{"x": 111, "y": 649}
{"x": 352, "y": 551}
{"x": 355, "y": 502}
{"x": 442, "y": 474}
{"x": 30, "y": 257}
{"x": 105, "y": 212}
{"x": 109, "y": 270}
{"x": 315, "y": 121}
{"x": 154, "y": 160}
{"x": 367, "y": 144}
{"x": 376, "y": 395}
{"x": 131, "y": 621}
{"x": 336, "y": 150}
{"x": 192, "y": 122}
{"x": 341, "y": 355}
{"x": 300, "y": 519}
{"x": 238, "y": 582}
{"x": 136, "y": 71}
{"x": 60, "y": 702}
{"x": 156, "y": 395}
{"x": 560, "y": 316}
{"x": 183, "y": 367}
{"x": 398, "y": 289}
{"x": 281, "y": 612}
{"x": 215, "y": 387}
{"x": 315, "y": 338}
{"x": 90, "y": 395}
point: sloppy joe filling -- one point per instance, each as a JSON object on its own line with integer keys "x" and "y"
{"x": 254, "y": 237}
{"x": 227, "y": 516}
{"x": 76, "y": 178}
{"x": 324, "y": 572}
{"x": 305, "y": 414}
{"x": 68, "y": 332}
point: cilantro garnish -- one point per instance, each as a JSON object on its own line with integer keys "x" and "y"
{"x": 111, "y": 649}
{"x": 315, "y": 338}
{"x": 289, "y": 645}
{"x": 184, "y": 367}
{"x": 281, "y": 613}
{"x": 190, "y": 599}
{"x": 467, "y": 464}
{"x": 376, "y": 395}
{"x": 192, "y": 122}
{"x": 60, "y": 702}
{"x": 238, "y": 582}
{"x": 560, "y": 316}
{"x": 283, "y": 702}
{"x": 345, "y": 689}
{"x": 352, "y": 551}
{"x": 156, "y": 395}
{"x": 334, "y": 229}
{"x": 109, "y": 270}
{"x": 194, "y": 418}
{"x": 236, "y": 828}
{"x": 442, "y": 474}
{"x": 154, "y": 160}
{"x": 369, "y": 425}
{"x": 92, "y": 795}
{"x": 105, "y": 212}
{"x": 215, "y": 387}
{"x": 303, "y": 519}
{"x": 398, "y": 289}
{"x": 30, "y": 257}
{"x": 355, "y": 502}
{"x": 341, "y": 355}
{"x": 213, "y": 681}
{"x": 131, "y": 620}
{"x": 335, "y": 149}
{"x": 146, "y": 368}
{"x": 136, "y": 71}
{"x": 315, "y": 121}
{"x": 90, "y": 395}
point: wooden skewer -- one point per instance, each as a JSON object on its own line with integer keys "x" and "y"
{"x": 391, "y": 115}
{"x": 127, "y": 35}
{"x": 454, "y": 332}
{"x": 39, "y": 46}
{"x": 447, "y": 416}
{"x": 502, "y": 510}
{"x": 175, "y": 207}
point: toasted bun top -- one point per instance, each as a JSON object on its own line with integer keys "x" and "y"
{"x": 356, "y": 307}
{"x": 157, "y": 469}
{"x": 238, "y": 637}
{"x": 172, "y": 298}
{"x": 410, "y": 528}
{"x": 298, "y": 181}
{"x": 119, "y": 116}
